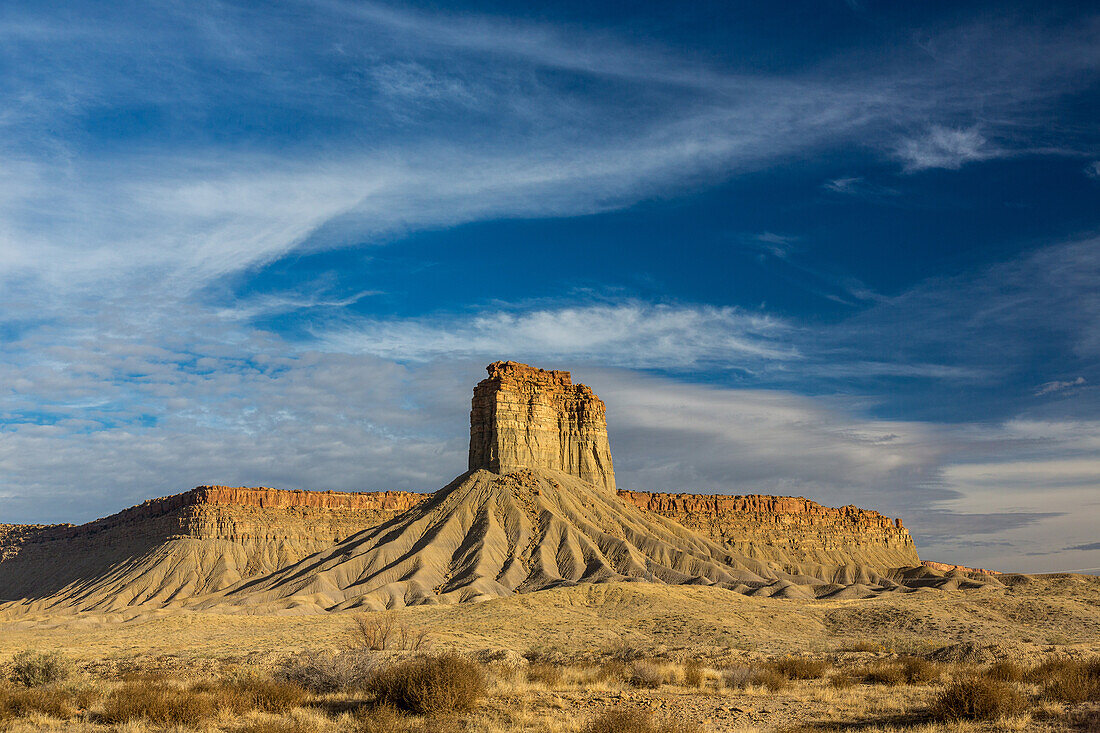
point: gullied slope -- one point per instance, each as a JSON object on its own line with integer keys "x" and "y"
{"x": 488, "y": 535}
{"x": 791, "y": 531}
{"x": 170, "y": 549}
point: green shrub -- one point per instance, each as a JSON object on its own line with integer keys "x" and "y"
{"x": 978, "y": 698}
{"x": 33, "y": 669}
{"x": 429, "y": 684}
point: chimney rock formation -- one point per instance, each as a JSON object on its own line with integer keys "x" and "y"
{"x": 523, "y": 417}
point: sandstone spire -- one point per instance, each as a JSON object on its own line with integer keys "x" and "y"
{"x": 523, "y": 417}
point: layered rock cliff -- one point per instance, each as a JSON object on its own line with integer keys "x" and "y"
{"x": 210, "y": 537}
{"x": 791, "y": 530}
{"x": 523, "y": 417}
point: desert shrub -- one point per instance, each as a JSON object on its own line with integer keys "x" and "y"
{"x": 883, "y": 673}
{"x": 253, "y": 693}
{"x": 1005, "y": 671}
{"x": 694, "y": 675}
{"x": 612, "y": 670}
{"x": 647, "y": 674}
{"x": 800, "y": 668}
{"x": 324, "y": 672}
{"x": 428, "y": 684}
{"x": 545, "y": 673}
{"x": 381, "y": 719}
{"x": 382, "y": 632}
{"x": 1068, "y": 680}
{"x": 633, "y": 720}
{"x": 503, "y": 663}
{"x": 738, "y": 678}
{"x": 978, "y": 698}
{"x": 159, "y": 704}
{"x": 841, "y": 681}
{"x": 32, "y": 669}
{"x": 49, "y": 700}
{"x": 918, "y": 671}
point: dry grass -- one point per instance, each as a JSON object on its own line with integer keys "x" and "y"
{"x": 381, "y": 719}
{"x": 1071, "y": 681}
{"x": 740, "y": 678}
{"x": 635, "y": 720}
{"x": 545, "y": 673}
{"x": 429, "y": 685}
{"x": 52, "y": 701}
{"x": 801, "y": 668}
{"x": 159, "y": 703}
{"x": 694, "y": 674}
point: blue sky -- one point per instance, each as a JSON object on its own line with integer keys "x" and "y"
{"x": 843, "y": 250}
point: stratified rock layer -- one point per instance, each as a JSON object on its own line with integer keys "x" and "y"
{"x": 788, "y": 530}
{"x": 523, "y": 417}
{"x": 174, "y": 547}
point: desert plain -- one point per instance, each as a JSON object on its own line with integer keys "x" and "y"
{"x": 528, "y": 595}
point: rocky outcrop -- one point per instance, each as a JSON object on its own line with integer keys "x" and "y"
{"x": 211, "y": 536}
{"x": 523, "y": 417}
{"x": 791, "y": 530}
{"x": 946, "y": 567}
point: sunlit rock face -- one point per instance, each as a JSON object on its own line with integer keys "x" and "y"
{"x": 523, "y": 417}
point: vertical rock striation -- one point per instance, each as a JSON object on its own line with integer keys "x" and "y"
{"x": 523, "y": 417}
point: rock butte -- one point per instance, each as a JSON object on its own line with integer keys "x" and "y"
{"x": 523, "y": 417}
{"x": 538, "y": 448}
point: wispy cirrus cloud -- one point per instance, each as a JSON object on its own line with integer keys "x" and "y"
{"x": 623, "y": 334}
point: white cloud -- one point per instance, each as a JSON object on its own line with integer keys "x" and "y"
{"x": 623, "y": 334}
{"x": 943, "y": 147}
{"x": 1058, "y": 386}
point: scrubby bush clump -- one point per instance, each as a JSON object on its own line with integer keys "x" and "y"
{"x": 33, "y": 669}
{"x": 800, "y": 668}
{"x": 738, "y": 678}
{"x": 1068, "y": 680}
{"x": 429, "y": 684}
{"x": 55, "y": 702}
{"x": 545, "y": 673}
{"x": 324, "y": 672}
{"x": 253, "y": 693}
{"x": 978, "y": 698}
{"x": 159, "y": 703}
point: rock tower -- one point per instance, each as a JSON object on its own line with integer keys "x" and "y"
{"x": 523, "y": 417}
